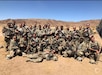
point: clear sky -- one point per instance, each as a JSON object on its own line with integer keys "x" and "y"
{"x": 58, "y": 10}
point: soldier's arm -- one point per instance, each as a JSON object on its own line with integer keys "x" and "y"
{"x": 99, "y": 48}
{"x": 91, "y": 48}
{"x": 28, "y": 47}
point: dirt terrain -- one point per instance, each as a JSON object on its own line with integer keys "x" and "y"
{"x": 64, "y": 66}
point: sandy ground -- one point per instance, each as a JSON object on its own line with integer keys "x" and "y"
{"x": 64, "y": 66}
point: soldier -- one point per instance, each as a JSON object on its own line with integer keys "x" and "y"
{"x": 13, "y": 26}
{"x": 87, "y": 32}
{"x": 54, "y": 43}
{"x": 45, "y": 43}
{"x": 37, "y": 58}
{"x": 61, "y": 32}
{"x": 56, "y": 30}
{"x": 62, "y": 44}
{"x": 29, "y": 35}
{"x": 58, "y": 44}
{"x": 20, "y": 29}
{"x": 70, "y": 47}
{"x": 82, "y": 48}
{"x": 94, "y": 50}
{"x": 75, "y": 36}
{"x": 31, "y": 30}
{"x": 39, "y": 32}
{"x": 50, "y": 55}
{"x": 67, "y": 32}
{"x": 17, "y": 34}
{"x": 8, "y": 34}
{"x": 34, "y": 39}
{"x": 48, "y": 29}
{"x": 23, "y": 43}
{"x": 35, "y": 27}
{"x": 14, "y": 49}
{"x": 80, "y": 31}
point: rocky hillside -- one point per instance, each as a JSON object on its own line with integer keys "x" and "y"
{"x": 93, "y": 23}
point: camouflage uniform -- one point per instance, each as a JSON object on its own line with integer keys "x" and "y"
{"x": 23, "y": 43}
{"x": 14, "y": 49}
{"x": 67, "y": 32}
{"x": 82, "y": 49}
{"x": 62, "y": 44}
{"x": 45, "y": 43}
{"x": 8, "y": 34}
{"x": 80, "y": 31}
{"x": 39, "y": 57}
{"x": 87, "y": 32}
{"x": 92, "y": 54}
{"x": 70, "y": 48}
{"x": 75, "y": 37}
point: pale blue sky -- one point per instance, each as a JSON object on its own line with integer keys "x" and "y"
{"x": 58, "y": 10}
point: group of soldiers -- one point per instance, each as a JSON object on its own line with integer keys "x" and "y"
{"x": 43, "y": 42}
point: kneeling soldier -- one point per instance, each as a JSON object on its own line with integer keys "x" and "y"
{"x": 14, "y": 49}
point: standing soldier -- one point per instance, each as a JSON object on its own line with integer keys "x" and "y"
{"x": 80, "y": 31}
{"x": 56, "y": 30}
{"x": 67, "y": 32}
{"x": 39, "y": 31}
{"x": 8, "y": 34}
{"x": 61, "y": 32}
{"x": 89, "y": 30}
{"x": 75, "y": 36}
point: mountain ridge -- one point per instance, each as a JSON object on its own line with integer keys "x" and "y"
{"x": 52, "y": 22}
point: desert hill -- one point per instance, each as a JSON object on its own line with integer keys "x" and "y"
{"x": 93, "y": 23}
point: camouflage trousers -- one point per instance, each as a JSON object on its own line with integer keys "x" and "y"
{"x": 94, "y": 58}
{"x": 37, "y": 58}
{"x": 13, "y": 53}
{"x": 7, "y": 40}
{"x": 67, "y": 53}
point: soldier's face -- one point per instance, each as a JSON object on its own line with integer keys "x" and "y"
{"x": 21, "y": 25}
{"x": 30, "y": 27}
{"x": 74, "y": 28}
{"x": 56, "y": 28}
{"x": 93, "y": 39}
{"x": 61, "y": 27}
{"x": 57, "y": 37}
{"x": 39, "y": 27}
{"x": 87, "y": 26}
{"x": 14, "y": 38}
{"x": 34, "y": 35}
{"x": 67, "y": 28}
{"x": 80, "y": 28}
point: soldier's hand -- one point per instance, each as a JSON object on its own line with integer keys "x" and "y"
{"x": 97, "y": 51}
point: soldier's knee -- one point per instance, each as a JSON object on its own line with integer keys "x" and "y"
{"x": 65, "y": 54}
{"x": 55, "y": 58}
{"x": 80, "y": 53}
{"x": 9, "y": 57}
